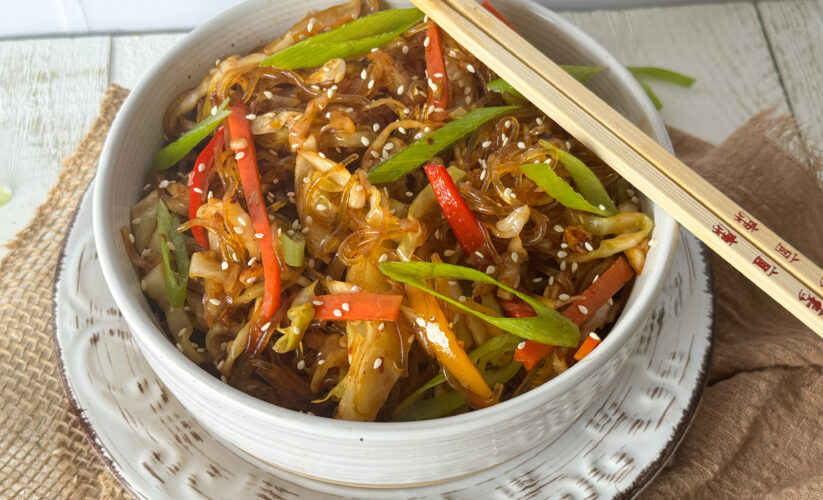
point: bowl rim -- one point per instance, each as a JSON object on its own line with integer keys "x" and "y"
{"x": 152, "y": 338}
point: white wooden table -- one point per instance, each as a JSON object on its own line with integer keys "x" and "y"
{"x": 746, "y": 57}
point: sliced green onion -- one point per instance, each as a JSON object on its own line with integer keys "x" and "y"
{"x": 581, "y": 73}
{"x": 587, "y": 183}
{"x": 349, "y": 40}
{"x": 420, "y": 151}
{"x": 557, "y": 188}
{"x": 652, "y": 96}
{"x": 175, "y": 151}
{"x": 661, "y": 74}
{"x": 176, "y": 281}
{"x": 547, "y": 327}
{"x": 5, "y": 195}
{"x": 294, "y": 248}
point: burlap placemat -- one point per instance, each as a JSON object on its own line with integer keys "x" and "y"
{"x": 44, "y": 451}
{"x": 755, "y": 434}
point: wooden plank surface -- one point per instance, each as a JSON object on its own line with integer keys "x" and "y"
{"x": 50, "y": 91}
{"x": 795, "y": 31}
{"x": 133, "y": 55}
{"x": 723, "y": 46}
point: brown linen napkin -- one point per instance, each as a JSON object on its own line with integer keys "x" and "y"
{"x": 753, "y": 435}
{"x": 756, "y": 432}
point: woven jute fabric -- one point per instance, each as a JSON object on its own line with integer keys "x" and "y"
{"x": 43, "y": 451}
{"x": 755, "y": 435}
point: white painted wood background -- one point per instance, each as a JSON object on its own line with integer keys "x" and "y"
{"x": 746, "y": 57}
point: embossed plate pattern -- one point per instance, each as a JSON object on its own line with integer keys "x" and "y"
{"x": 154, "y": 446}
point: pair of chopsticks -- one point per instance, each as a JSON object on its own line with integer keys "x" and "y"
{"x": 758, "y": 253}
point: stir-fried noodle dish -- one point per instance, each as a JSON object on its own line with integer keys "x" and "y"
{"x": 359, "y": 220}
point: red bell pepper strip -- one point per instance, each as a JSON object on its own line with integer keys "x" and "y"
{"x": 242, "y": 143}
{"x": 593, "y": 298}
{"x": 489, "y": 7}
{"x": 438, "y": 100}
{"x": 200, "y": 183}
{"x": 465, "y": 226}
{"x": 588, "y": 346}
{"x": 357, "y": 306}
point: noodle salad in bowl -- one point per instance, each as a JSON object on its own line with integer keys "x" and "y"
{"x": 359, "y": 220}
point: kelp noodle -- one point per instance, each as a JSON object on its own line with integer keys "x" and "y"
{"x": 322, "y": 150}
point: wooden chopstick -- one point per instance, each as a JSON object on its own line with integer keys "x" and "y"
{"x": 753, "y": 249}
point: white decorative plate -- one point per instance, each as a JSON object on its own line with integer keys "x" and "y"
{"x": 158, "y": 451}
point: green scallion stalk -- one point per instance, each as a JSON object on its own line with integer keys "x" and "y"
{"x": 547, "y": 327}
{"x": 347, "y": 41}
{"x": 294, "y": 248}
{"x": 420, "y": 151}
{"x": 176, "y": 281}
{"x": 5, "y": 195}
{"x": 178, "y": 149}
{"x": 661, "y": 74}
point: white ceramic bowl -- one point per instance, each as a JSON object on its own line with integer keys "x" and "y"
{"x": 376, "y": 454}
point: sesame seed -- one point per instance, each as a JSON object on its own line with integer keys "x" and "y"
{"x": 320, "y": 362}
{"x": 490, "y": 270}
{"x": 515, "y": 257}
{"x": 564, "y": 245}
{"x": 213, "y": 110}
{"x": 381, "y": 326}
{"x": 363, "y": 74}
{"x": 345, "y": 306}
{"x": 539, "y": 121}
{"x": 588, "y": 246}
{"x": 594, "y": 336}
{"x": 301, "y": 365}
{"x": 551, "y": 280}
{"x": 389, "y": 146}
{"x": 462, "y": 299}
{"x": 537, "y": 280}
{"x": 266, "y": 326}
{"x": 507, "y": 193}
{"x": 371, "y": 84}
{"x": 383, "y": 258}
{"x": 426, "y": 42}
{"x": 238, "y": 229}
{"x": 563, "y": 265}
{"x": 337, "y": 313}
{"x": 329, "y": 93}
{"x": 601, "y": 207}
{"x": 224, "y": 265}
{"x": 405, "y": 49}
{"x": 409, "y": 194}
{"x": 583, "y": 309}
{"x": 482, "y": 174}
{"x": 197, "y": 190}
{"x": 317, "y": 302}
{"x": 562, "y": 254}
{"x": 521, "y": 145}
{"x": 448, "y": 253}
{"x": 179, "y": 347}
{"x": 268, "y": 94}
{"x": 486, "y": 144}
{"x": 574, "y": 267}
{"x": 364, "y": 140}
{"x": 378, "y": 363}
{"x": 240, "y": 155}
{"x": 432, "y": 85}
{"x": 470, "y": 68}
{"x": 596, "y": 277}
{"x": 652, "y": 242}
{"x": 163, "y": 184}
{"x": 437, "y": 234}
{"x": 224, "y": 379}
{"x": 251, "y": 116}
{"x": 400, "y": 90}
{"x": 563, "y": 296}
{"x": 504, "y": 139}
{"x": 401, "y": 130}
{"x": 258, "y": 235}
{"x": 251, "y": 280}
{"x": 374, "y": 154}
{"x": 214, "y": 302}
{"x": 521, "y": 345}
{"x": 131, "y": 238}
{"x": 321, "y": 207}
{"x": 558, "y": 228}
{"x": 507, "y": 124}
{"x": 310, "y": 26}
{"x": 420, "y": 321}
{"x": 610, "y": 302}
{"x": 182, "y": 332}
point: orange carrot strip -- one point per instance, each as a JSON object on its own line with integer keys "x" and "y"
{"x": 588, "y": 346}
{"x": 357, "y": 306}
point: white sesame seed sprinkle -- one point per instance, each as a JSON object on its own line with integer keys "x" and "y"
{"x": 405, "y": 49}
{"x": 521, "y": 145}
{"x": 371, "y": 84}
{"x": 240, "y": 155}
{"x": 383, "y": 258}
{"x": 224, "y": 265}
{"x": 420, "y": 321}
{"x": 470, "y": 68}
{"x": 378, "y": 363}
{"x": 563, "y": 265}
{"x": 537, "y": 280}
{"x": 345, "y": 306}
{"x": 197, "y": 190}
{"x": 258, "y": 235}
{"x": 364, "y": 140}
{"x": 214, "y": 302}
{"x": 301, "y": 365}
{"x": 574, "y": 267}
{"x": 601, "y": 207}
{"x": 251, "y": 116}
{"x": 562, "y": 254}
{"x": 515, "y": 257}
{"x": 563, "y": 296}
{"x": 462, "y": 299}
{"x": 588, "y": 246}
{"x": 486, "y": 144}
{"x": 583, "y": 309}
{"x": 490, "y": 270}
{"x": 558, "y": 228}
{"x": 521, "y": 345}
{"x": 594, "y": 336}
{"x": 163, "y": 184}
{"x": 448, "y": 252}
{"x": 426, "y": 41}
{"x": 268, "y": 94}
{"x": 131, "y": 238}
